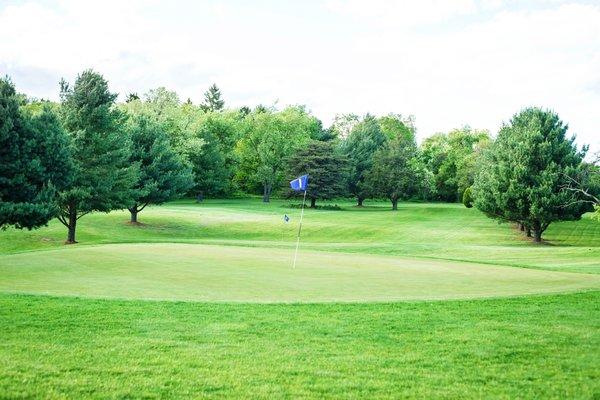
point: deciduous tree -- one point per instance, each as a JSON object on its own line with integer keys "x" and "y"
{"x": 360, "y": 146}
{"x": 396, "y": 173}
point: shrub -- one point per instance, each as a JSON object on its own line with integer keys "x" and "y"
{"x": 467, "y": 197}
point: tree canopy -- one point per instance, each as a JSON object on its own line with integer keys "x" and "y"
{"x": 35, "y": 161}
{"x": 164, "y": 175}
{"x": 104, "y": 178}
{"x": 525, "y": 170}
{"x": 326, "y": 166}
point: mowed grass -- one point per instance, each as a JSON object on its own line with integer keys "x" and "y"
{"x": 530, "y": 347}
{"x": 255, "y": 274}
{"x": 440, "y": 231}
{"x": 349, "y": 341}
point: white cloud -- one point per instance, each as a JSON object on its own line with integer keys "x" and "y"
{"x": 447, "y": 62}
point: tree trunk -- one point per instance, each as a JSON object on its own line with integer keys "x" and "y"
{"x": 359, "y": 201}
{"x": 537, "y": 232}
{"x": 134, "y": 213}
{"x": 313, "y": 202}
{"x": 394, "y": 204}
{"x": 522, "y": 227}
{"x": 528, "y": 232}
{"x": 266, "y": 192}
{"x": 72, "y": 226}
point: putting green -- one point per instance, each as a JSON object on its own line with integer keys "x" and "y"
{"x": 245, "y": 274}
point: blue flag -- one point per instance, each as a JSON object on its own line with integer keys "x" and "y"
{"x": 300, "y": 184}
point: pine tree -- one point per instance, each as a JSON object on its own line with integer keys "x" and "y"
{"x": 34, "y": 162}
{"x": 327, "y": 169}
{"x": 525, "y": 171}
{"x": 104, "y": 176}
{"x": 212, "y": 99}
{"x": 163, "y": 173}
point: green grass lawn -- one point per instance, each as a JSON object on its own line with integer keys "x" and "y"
{"x": 530, "y": 347}
{"x": 441, "y": 231}
{"x": 361, "y": 316}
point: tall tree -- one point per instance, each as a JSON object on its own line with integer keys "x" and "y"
{"x": 452, "y": 158}
{"x": 396, "y": 173}
{"x": 34, "y": 162}
{"x": 212, "y": 99}
{"x": 104, "y": 176}
{"x": 163, "y": 173}
{"x": 360, "y": 146}
{"x": 525, "y": 171}
{"x": 270, "y": 139}
{"x": 327, "y": 169}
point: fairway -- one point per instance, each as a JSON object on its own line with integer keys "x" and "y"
{"x": 245, "y": 274}
{"x": 434, "y": 300}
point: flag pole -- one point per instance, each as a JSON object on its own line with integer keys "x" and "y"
{"x": 299, "y": 230}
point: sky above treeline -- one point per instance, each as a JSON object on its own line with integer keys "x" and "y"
{"x": 448, "y": 63}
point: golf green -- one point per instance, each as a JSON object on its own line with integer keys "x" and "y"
{"x": 197, "y": 272}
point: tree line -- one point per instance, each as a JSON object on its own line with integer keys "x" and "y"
{"x": 88, "y": 153}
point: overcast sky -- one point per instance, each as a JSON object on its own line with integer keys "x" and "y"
{"x": 447, "y": 62}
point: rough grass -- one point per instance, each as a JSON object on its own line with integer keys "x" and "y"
{"x": 536, "y": 347}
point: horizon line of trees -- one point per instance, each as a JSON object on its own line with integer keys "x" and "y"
{"x": 88, "y": 153}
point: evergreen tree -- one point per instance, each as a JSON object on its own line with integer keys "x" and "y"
{"x": 396, "y": 173}
{"x": 163, "y": 174}
{"x": 327, "y": 169}
{"x": 104, "y": 176}
{"x": 212, "y": 99}
{"x": 34, "y": 162}
{"x": 525, "y": 171}
{"x": 362, "y": 142}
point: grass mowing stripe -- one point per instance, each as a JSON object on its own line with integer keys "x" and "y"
{"x": 443, "y": 231}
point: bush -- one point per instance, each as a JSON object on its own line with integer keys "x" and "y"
{"x": 467, "y": 197}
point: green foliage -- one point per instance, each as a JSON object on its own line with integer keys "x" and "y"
{"x": 396, "y": 173}
{"x": 327, "y": 169}
{"x": 212, "y": 99}
{"x": 104, "y": 177}
{"x": 467, "y": 198}
{"x": 453, "y": 158}
{"x": 343, "y": 124}
{"x": 394, "y": 126}
{"x": 361, "y": 144}
{"x": 163, "y": 174}
{"x": 34, "y": 161}
{"x": 525, "y": 171}
{"x": 271, "y": 138}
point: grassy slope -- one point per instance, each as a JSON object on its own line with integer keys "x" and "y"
{"x": 538, "y": 347}
{"x": 445, "y": 231}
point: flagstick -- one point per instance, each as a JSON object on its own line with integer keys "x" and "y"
{"x": 299, "y": 230}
